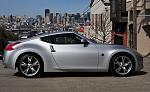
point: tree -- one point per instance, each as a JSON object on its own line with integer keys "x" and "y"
{"x": 5, "y": 36}
{"x": 102, "y": 27}
{"x": 2, "y": 39}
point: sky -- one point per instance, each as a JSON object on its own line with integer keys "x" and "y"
{"x": 36, "y": 7}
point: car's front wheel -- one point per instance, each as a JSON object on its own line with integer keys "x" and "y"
{"x": 30, "y": 65}
{"x": 122, "y": 65}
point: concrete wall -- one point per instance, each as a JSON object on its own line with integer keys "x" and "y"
{"x": 143, "y": 40}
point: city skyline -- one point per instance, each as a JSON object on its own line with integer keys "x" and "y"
{"x": 37, "y": 7}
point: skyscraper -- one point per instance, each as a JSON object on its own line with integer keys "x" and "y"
{"x": 47, "y": 16}
{"x": 39, "y": 20}
{"x": 51, "y": 17}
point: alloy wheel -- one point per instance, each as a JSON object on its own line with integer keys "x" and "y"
{"x": 30, "y": 66}
{"x": 122, "y": 65}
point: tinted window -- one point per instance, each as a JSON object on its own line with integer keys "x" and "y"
{"x": 66, "y": 39}
{"x": 62, "y": 39}
{"x": 47, "y": 39}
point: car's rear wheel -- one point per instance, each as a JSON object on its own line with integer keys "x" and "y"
{"x": 122, "y": 65}
{"x": 30, "y": 65}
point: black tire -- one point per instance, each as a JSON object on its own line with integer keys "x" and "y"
{"x": 122, "y": 65}
{"x": 30, "y": 65}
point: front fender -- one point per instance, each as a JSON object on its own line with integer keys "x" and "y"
{"x": 115, "y": 52}
{"x": 104, "y": 60}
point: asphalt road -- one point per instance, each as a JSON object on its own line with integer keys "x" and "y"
{"x": 10, "y": 81}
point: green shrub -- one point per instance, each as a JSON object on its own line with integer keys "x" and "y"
{"x": 6, "y": 36}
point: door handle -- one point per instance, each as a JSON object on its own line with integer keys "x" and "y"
{"x": 52, "y": 48}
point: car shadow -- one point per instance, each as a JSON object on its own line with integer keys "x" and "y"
{"x": 140, "y": 73}
{"x": 79, "y": 74}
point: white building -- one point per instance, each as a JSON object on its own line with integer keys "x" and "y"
{"x": 100, "y": 20}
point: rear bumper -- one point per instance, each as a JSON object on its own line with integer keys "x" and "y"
{"x": 8, "y": 59}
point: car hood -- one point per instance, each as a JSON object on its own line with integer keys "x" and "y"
{"x": 112, "y": 46}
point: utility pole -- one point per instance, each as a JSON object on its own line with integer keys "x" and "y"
{"x": 135, "y": 24}
{"x": 102, "y": 24}
{"x": 96, "y": 27}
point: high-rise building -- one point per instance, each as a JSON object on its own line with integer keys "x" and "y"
{"x": 59, "y": 20}
{"x": 11, "y": 18}
{"x": 47, "y": 16}
{"x": 71, "y": 19}
{"x": 51, "y": 18}
{"x": 39, "y": 20}
{"x": 56, "y": 18}
{"x": 77, "y": 17}
{"x": 30, "y": 22}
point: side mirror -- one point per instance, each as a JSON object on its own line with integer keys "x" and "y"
{"x": 85, "y": 42}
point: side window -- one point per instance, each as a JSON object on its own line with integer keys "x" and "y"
{"x": 62, "y": 39}
{"x": 66, "y": 39}
{"x": 47, "y": 39}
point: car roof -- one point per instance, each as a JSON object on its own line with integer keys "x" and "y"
{"x": 54, "y": 33}
{"x": 47, "y": 34}
{"x": 62, "y": 32}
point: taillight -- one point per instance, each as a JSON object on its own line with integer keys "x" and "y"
{"x": 10, "y": 46}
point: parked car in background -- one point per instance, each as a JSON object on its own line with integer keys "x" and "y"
{"x": 70, "y": 52}
{"x": 25, "y": 35}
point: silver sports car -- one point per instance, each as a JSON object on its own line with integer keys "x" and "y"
{"x": 70, "y": 52}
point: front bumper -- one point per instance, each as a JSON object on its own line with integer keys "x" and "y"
{"x": 139, "y": 60}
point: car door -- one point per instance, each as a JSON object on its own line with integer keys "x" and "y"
{"x": 70, "y": 53}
